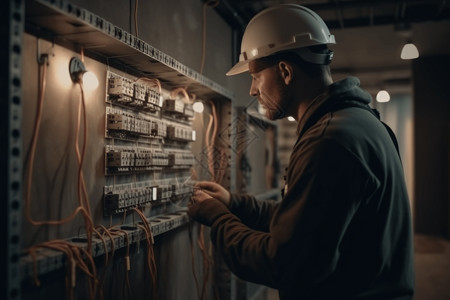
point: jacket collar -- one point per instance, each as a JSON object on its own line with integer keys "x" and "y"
{"x": 340, "y": 91}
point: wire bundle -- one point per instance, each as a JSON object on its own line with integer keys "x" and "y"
{"x": 217, "y": 174}
{"x": 151, "y": 263}
{"x": 182, "y": 91}
{"x": 154, "y": 81}
{"x": 76, "y": 256}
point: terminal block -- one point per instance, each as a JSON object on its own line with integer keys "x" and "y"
{"x": 154, "y": 100}
{"x": 181, "y": 191}
{"x": 180, "y": 159}
{"x": 136, "y": 124}
{"x": 123, "y": 197}
{"x": 188, "y": 110}
{"x": 118, "y": 122}
{"x": 159, "y": 128}
{"x": 159, "y": 158}
{"x": 180, "y": 133}
{"x": 120, "y": 158}
{"x": 139, "y": 95}
{"x": 134, "y": 159}
{"x": 121, "y": 89}
{"x": 174, "y": 106}
{"x": 164, "y": 192}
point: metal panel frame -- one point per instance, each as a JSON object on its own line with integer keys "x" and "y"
{"x": 11, "y": 146}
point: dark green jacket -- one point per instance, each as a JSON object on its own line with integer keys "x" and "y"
{"x": 343, "y": 227}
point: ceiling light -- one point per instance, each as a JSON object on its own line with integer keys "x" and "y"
{"x": 409, "y": 51}
{"x": 383, "y": 96}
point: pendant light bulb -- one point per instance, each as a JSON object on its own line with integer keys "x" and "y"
{"x": 409, "y": 51}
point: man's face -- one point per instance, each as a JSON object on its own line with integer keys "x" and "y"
{"x": 269, "y": 88}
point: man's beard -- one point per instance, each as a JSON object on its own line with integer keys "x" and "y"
{"x": 276, "y": 111}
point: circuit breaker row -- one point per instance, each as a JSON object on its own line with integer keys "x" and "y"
{"x": 134, "y": 124}
{"x": 128, "y": 92}
{"x": 127, "y": 158}
{"x": 122, "y": 197}
{"x": 121, "y": 121}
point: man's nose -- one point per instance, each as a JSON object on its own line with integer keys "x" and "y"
{"x": 254, "y": 92}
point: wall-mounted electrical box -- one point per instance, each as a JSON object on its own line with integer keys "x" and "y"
{"x": 133, "y": 143}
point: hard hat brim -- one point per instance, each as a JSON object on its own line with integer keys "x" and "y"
{"x": 238, "y": 68}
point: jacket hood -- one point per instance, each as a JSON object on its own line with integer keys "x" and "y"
{"x": 348, "y": 89}
{"x": 345, "y": 90}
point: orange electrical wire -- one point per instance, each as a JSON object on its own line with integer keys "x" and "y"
{"x": 80, "y": 156}
{"x": 182, "y": 91}
{"x": 209, "y": 148}
{"x": 216, "y": 176}
{"x": 206, "y": 263}
{"x": 193, "y": 262}
{"x": 151, "y": 263}
{"x": 32, "y": 153}
{"x": 127, "y": 264}
{"x": 31, "y": 159}
{"x": 74, "y": 253}
{"x": 209, "y": 141}
{"x": 108, "y": 258}
{"x": 82, "y": 193}
{"x": 155, "y": 81}
{"x": 136, "y": 17}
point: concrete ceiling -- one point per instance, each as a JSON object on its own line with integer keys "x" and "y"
{"x": 368, "y": 34}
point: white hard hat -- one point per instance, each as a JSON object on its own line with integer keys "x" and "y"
{"x": 280, "y": 28}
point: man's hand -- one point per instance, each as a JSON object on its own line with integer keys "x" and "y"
{"x": 205, "y": 209}
{"x": 199, "y": 195}
{"x": 213, "y": 190}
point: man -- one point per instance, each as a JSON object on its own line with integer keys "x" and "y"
{"x": 342, "y": 229}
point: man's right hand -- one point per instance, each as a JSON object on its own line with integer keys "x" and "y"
{"x": 215, "y": 190}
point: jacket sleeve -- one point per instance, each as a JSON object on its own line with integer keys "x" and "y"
{"x": 307, "y": 227}
{"x": 253, "y": 213}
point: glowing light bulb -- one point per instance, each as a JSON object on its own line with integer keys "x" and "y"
{"x": 383, "y": 96}
{"x": 198, "y": 107}
{"x": 290, "y": 118}
{"x": 409, "y": 51}
{"x": 90, "y": 81}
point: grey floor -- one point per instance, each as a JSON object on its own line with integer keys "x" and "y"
{"x": 432, "y": 264}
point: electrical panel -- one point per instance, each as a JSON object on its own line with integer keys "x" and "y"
{"x": 148, "y": 135}
{"x": 145, "y": 149}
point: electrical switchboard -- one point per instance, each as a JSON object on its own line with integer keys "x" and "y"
{"x": 148, "y": 135}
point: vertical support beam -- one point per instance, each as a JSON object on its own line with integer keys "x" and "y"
{"x": 431, "y": 173}
{"x": 12, "y": 18}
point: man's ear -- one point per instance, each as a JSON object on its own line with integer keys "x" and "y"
{"x": 286, "y": 71}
